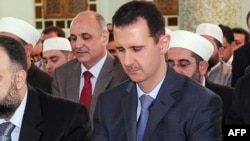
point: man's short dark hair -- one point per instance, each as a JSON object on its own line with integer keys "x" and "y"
{"x": 227, "y": 33}
{"x": 240, "y": 30}
{"x": 59, "y": 32}
{"x": 15, "y": 50}
{"x": 131, "y": 11}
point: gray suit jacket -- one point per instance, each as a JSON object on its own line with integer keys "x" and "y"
{"x": 66, "y": 81}
{"x": 183, "y": 111}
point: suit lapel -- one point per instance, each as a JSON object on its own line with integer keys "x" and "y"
{"x": 105, "y": 76}
{"x": 102, "y": 81}
{"x": 32, "y": 117}
{"x": 163, "y": 102}
{"x": 73, "y": 82}
{"x": 129, "y": 107}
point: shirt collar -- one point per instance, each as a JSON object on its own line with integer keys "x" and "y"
{"x": 95, "y": 70}
{"x": 153, "y": 93}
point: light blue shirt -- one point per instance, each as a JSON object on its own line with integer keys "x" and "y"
{"x": 153, "y": 94}
{"x": 17, "y": 119}
{"x": 95, "y": 71}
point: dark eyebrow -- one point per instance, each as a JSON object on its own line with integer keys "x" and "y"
{"x": 118, "y": 47}
{"x": 83, "y": 34}
{"x": 181, "y": 60}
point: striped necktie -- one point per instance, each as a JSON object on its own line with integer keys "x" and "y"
{"x": 5, "y": 131}
{"x": 146, "y": 102}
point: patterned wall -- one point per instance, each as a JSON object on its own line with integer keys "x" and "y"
{"x": 194, "y": 12}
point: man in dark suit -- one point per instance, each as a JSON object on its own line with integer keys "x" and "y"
{"x": 182, "y": 110}
{"x": 28, "y": 36}
{"x": 240, "y": 62}
{"x": 189, "y": 54}
{"x": 240, "y": 113}
{"x": 241, "y": 58}
{"x": 32, "y": 114}
{"x": 89, "y": 37}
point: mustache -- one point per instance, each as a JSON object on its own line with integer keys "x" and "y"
{"x": 132, "y": 68}
{"x": 81, "y": 49}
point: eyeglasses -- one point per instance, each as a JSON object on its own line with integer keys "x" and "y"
{"x": 181, "y": 63}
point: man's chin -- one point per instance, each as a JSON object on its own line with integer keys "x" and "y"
{"x": 7, "y": 111}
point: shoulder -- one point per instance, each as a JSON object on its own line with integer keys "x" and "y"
{"x": 35, "y": 72}
{"x": 199, "y": 92}
{"x": 113, "y": 66}
{"x": 51, "y": 103}
{"x": 67, "y": 119}
{"x": 72, "y": 64}
{"x": 244, "y": 80}
{"x": 244, "y": 50}
{"x": 223, "y": 91}
{"x": 118, "y": 90}
{"x": 185, "y": 88}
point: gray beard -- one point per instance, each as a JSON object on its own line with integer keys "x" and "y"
{"x": 10, "y": 103}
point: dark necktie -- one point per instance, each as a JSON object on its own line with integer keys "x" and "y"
{"x": 146, "y": 102}
{"x": 5, "y": 131}
{"x": 86, "y": 94}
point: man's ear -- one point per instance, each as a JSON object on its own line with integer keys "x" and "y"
{"x": 28, "y": 49}
{"x": 203, "y": 67}
{"x": 164, "y": 43}
{"x": 221, "y": 52}
{"x": 105, "y": 37}
{"x": 20, "y": 78}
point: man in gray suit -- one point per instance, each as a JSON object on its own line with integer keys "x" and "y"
{"x": 89, "y": 37}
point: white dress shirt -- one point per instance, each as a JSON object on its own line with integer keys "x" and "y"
{"x": 153, "y": 94}
{"x": 17, "y": 119}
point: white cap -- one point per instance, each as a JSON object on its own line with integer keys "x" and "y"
{"x": 193, "y": 42}
{"x": 56, "y": 43}
{"x": 209, "y": 29}
{"x": 20, "y": 28}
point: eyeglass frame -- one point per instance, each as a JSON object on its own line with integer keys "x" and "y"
{"x": 172, "y": 64}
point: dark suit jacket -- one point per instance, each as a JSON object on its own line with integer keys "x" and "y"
{"x": 67, "y": 79}
{"x": 225, "y": 93}
{"x": 38, "y": 78}
{"x": 183, "y": 110}
{"x": 240, "y": 61}
{"x": 49, "y": 118}
{"x": 241, "y": 103}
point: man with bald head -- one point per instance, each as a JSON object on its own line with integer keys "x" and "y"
{"x": 89, "y": 37}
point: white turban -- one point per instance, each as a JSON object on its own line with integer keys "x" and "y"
{"x": 20, "y": 28}
{"x": 191, "y": 41}
{"x": 209, "y": 29}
